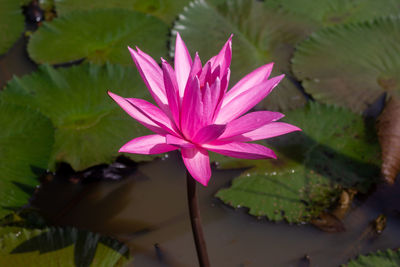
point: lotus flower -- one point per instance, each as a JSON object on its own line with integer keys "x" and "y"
{"x": 195, "y": 112}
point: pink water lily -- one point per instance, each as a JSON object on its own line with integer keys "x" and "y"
{"x": 195, "y": 112}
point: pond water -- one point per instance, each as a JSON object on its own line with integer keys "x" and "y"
{"x": 148, "y": 211}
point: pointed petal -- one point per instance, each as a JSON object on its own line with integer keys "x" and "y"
{"x": 183, "y": 63}
{"x": 267, "y": 131}
{"x": 197, "y": 163}
{"x": 192, "y": 109}
{"x": 208, "y": 133}
{"x": 171, "y": 89}
{"x": 241, "y": 150}
{"x": 179, "y": 142}
{"x": 249, "y": 122}
{"x": 154, "y": 113}
{"x": 250, "y": 80}
{"x": 138, "y": 115}
{"x": 152, "y": 76}
{"x": 148, "y": 144}
{"x": 246, "y": 100}
{"x": 224, "y": 57}
{"x": 195, "y": 69}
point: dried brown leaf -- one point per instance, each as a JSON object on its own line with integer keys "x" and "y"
{"x": 389, "y": 138}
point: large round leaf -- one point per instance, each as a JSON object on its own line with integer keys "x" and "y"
{"x": 11, "y": 23}
{"x": 26, "y": 140}
{"x": 261, "y": 35}
{"x": 333, "y": 151}
{"x": 90, "y": 127}
{"x": 351, "y": 65}
{"x": 60, "y": 247}
{"x": 388, "y": 258}
{"x": 332, "y": 12}
{"x": 98, "y": 36}
{"x": 166, "y": 10}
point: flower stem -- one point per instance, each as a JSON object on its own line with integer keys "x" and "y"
{"x": 197, "y": 229}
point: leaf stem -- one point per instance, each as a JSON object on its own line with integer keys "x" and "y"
{"x": 195, "y": 219}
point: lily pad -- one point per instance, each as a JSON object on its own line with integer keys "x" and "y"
{"x": 351, "y": 65}
{"x": 90, "y": 127}
{"x": 60, "y": 247}
{"x": 261, "y": 35}
{"x": 333, "y": 12}
{"x": 26, "y": 140}
{"x": 12, "y": 23}
{"x": 166, "y": 10}
{"x": 388, "y": 258}
{"x": 334, "y": 151}
{"x": 98, "y": 36}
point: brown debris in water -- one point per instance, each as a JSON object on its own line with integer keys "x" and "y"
{"x": 388, "y": 126}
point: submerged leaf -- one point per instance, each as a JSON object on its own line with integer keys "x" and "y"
{"x": 332, "y": 152}
{"x": 90, "y": 128}
{"x": 388, "y": 258}
{"x": 261, "y": 36}
{"x": 60, "y": 247}
{"x": 98, "y": 36}
{"x": 166, "y": 10}
{"x": 389, "y": 138}
{"x": 351, "y": 65}
{"x": 26, "y": 140}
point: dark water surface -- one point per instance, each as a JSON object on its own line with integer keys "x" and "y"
{"x": 148, "y": 211}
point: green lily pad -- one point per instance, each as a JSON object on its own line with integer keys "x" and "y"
{"x": 332, "y": 12}
{"x": 351, "y": 65}
{"x": 388, "y": 258}
{"x": 90, "y": 127}
{"x": 166, "y": 10}
{"x": 26, "y": 140}
{"x": 261, "y": 35}
{"x": 60, "y": 247}
{"x": 98, "y": 36}
{"x": 12, "y": 23}
{"x": 334, "y": 151}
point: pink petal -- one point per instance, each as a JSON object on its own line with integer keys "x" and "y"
{"x": 208, "y": 133}
{"x": 197, "y": 163}
{"x": 171, "y": 88}
{"x": 183, "y": 63}
{"x": 152, "y": 76}
{"x": 224, "y": 57}
{"x": 241, "y": 150}
{"x": 195, "y": 69}
{"x": 154, "y": 113}
{"x": 149, "y": 144}
{"x": 252, "y": 79}
{"x": 246, "y": 100}
{"x": 249, "y": 122}
{"x": 137, "y": 114}
{"x": 179, "y": 142}
{"x": 192, "y": 109}
{"x": 267, "y": 131}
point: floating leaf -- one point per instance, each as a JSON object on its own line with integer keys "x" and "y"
{"x": 351, "y": 65}
{"x": 332, "y": 12}
{"x": 388, "y": 258}
{"x": 166, "y": 10}
{"x": 98, "y": 36}
{"x": 332, "y": 152}
{"x": 26, "y": 140}
{"x": 389, "y": 138}
{"x": 90, "y": 128}
{"x": 60, "y": 247}
{"x": 11, "y": 23}
{"x": 261, "y": 35}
